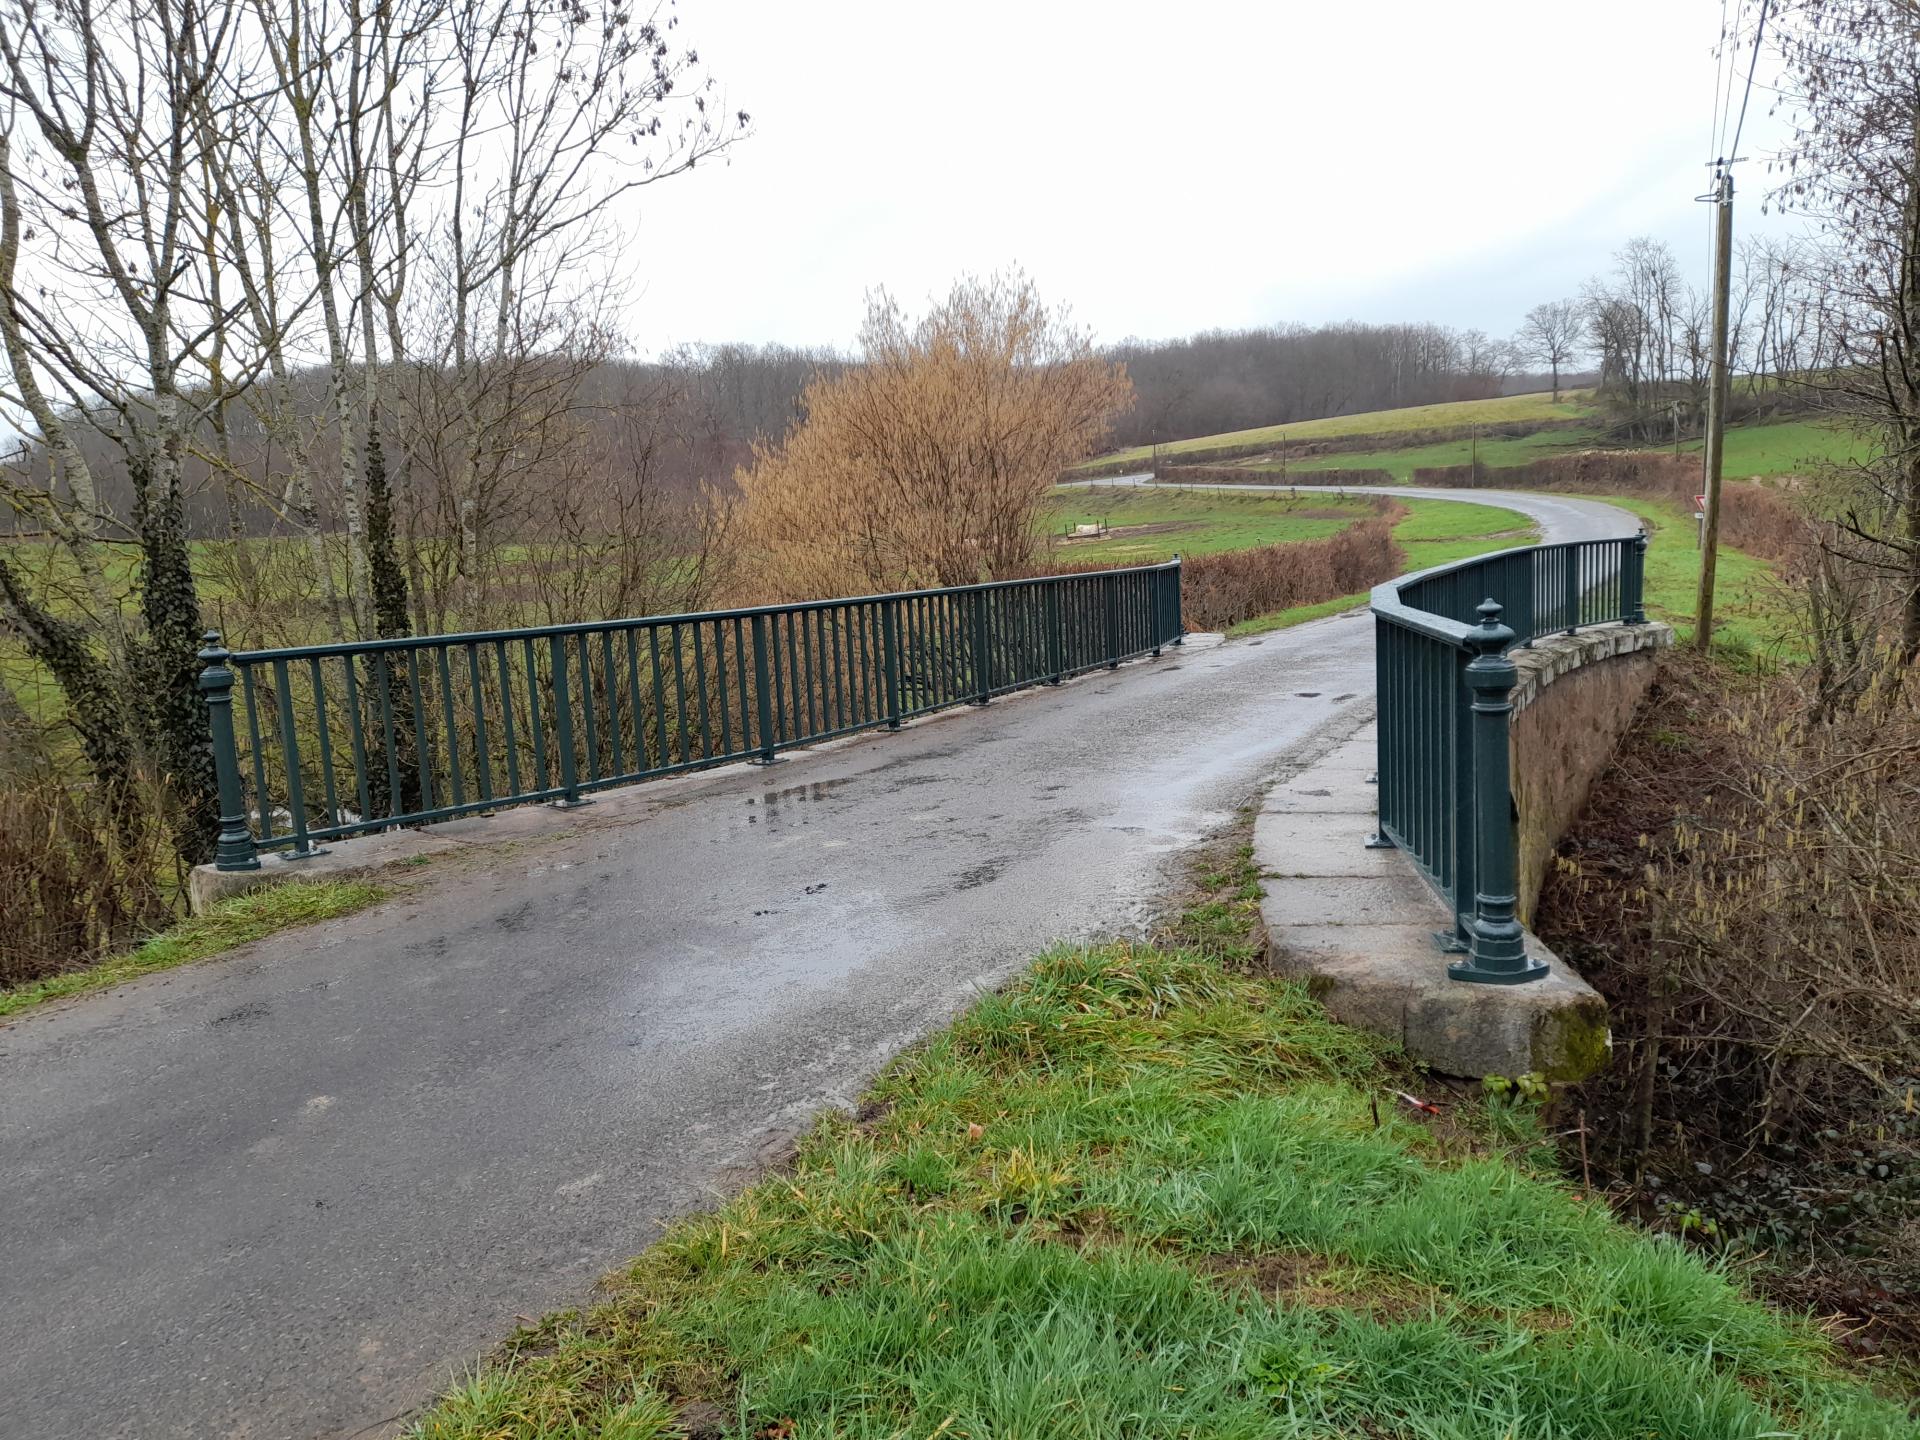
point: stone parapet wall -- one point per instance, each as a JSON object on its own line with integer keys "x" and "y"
{"x": 1575, "y": 699}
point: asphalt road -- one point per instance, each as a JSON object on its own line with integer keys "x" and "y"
{"x": 290, "y": 1192}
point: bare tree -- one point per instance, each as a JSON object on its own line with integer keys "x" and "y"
{"x": 1853, "y": 72}
{"x": 201, "y": 201}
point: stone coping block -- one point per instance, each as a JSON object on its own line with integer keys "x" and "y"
{"x": 1552, "y": 656}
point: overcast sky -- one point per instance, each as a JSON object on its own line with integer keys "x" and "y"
{"x": 1167, "y": 168}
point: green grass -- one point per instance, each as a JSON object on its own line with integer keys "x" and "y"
{"x": 1144, "y": 1192}
{"x": 1503, "y": 410}
{"x": 1752, "y": 618}
{"x": 230, "y": 923}
{"x": 1198, "y": 522}
{"x": 1789, "y": 447}
{"x": 1296, "y": 615}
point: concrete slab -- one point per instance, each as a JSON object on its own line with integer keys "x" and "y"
{"x": 1358, "y": 926}
{"x": 1301, "y": 847}
{"x": 1344, "y": 901}
{"x": 1335, "y": 798}
{"x": 342, "y": 860}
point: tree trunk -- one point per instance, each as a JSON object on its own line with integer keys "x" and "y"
{"x": 170, "y": 606}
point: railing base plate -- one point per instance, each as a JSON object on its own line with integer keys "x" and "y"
{"x": 573, "y": 804}
{"x": 1466, "y": 970}
{"x": 1378, "y": 841}
{"x": 1448, "y": 943}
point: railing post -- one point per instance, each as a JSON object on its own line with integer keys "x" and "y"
{"x": 1497, "y": 952}
{"x": 890, "y": 660}
{"x": 1156, "y": 610}
{"x": 1111, "y": 583}
{"x": 1179, "y": 626}
{"x": 982, "y": 649}
{"x": 563, "y": 726}
{"x": 1572, "y": 552}
{"x": 1635, "y": 599}
{"x": 234, "y": 850}
{"x": 1056, "y": 633}
{"x": 763, "y": 691}
{"x": 1388, "y": 699}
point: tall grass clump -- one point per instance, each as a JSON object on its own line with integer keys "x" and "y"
{"x": 75, "y": 884}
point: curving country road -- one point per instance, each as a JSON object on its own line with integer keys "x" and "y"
{"x": 289, "y": 1192}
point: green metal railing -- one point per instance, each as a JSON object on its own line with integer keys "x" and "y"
{"x": 1445, "y": 689}
{"x": 324, "y": 741}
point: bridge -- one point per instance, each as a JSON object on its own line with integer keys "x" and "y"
{"x": 287, "y": 1192}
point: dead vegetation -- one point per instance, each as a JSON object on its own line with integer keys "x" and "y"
{"x": 1745, "y": 890}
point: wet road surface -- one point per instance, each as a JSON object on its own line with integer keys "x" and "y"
{"x": 289, "y": 1192}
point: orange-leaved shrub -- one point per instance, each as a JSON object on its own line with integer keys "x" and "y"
{"x": 928, "y": 463}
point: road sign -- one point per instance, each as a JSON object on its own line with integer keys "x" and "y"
{"x": 1699, "y": 502}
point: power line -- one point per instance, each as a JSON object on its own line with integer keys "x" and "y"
{"x": 1717, "y": 116}
{"x": 1758, "y": 31}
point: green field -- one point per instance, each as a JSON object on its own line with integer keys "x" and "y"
{"x": 1497, "y": 451}
{"x": 1502, "y": 410}
{"x": 1193, "y": 522}
{"x": 1753, "y": 615}
{"x": 1204, "y": 522}
{"x": 1787, "y": 447}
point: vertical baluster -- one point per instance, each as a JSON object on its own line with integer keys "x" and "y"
{"x": 563, "y": 722}
{"x": 740, "y": 672}
{"x": 326, "y": 742}
{"x": 589, "y": 708}
{"x": 262, "y": 797}
{"x": 636, "y": 711}
{"x": 705, "y": 726}
{"x": 612, "y": 672}
{"x": 680, "y": 696}
{"x": 534, "y": 723}
{"x": 290, "y": 761}
{"x": 501, "y": 669}
{"x": 482, "y": 757}
{"x": 390, "y": 738}
{"x": 453, "y": 732}
{"x": 661, "y": 750}
{"x": 423, "y": 752}
{"x": 762, "y": 691}
{"x": 358, "y": 739}
{"x": 824, "y": 628}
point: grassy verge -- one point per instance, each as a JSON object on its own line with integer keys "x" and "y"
{"x": 230, "y": 923}
{"x": 1751, "y": 614}
{"x": 1148, "y": 1192}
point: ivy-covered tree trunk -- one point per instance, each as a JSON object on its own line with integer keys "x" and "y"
{"x": 176, "y": 710}
{"x": 96, "y": 704}
{"x": 391, "y": 620}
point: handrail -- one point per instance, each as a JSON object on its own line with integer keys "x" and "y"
{"x": 1445, "y": 684}
{"x": 355, "y": 737}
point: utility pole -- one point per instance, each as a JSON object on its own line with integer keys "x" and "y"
{"x": 1722, "y": 197}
